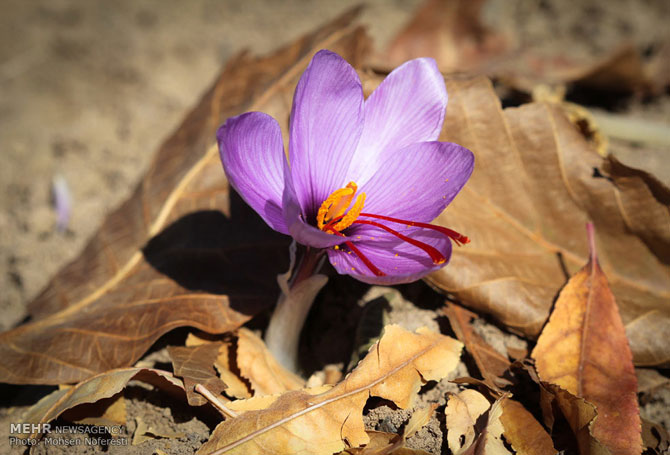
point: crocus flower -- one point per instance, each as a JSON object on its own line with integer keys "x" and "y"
{"x": 364, "y": 178}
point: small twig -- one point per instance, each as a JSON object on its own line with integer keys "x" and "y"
{"x": 632, "y": 129}
{"x": 217, "y": 403}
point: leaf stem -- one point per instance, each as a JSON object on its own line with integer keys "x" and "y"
{"x": 216, "y": 402}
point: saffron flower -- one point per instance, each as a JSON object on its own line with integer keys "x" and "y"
{"x": 364, "y": 178}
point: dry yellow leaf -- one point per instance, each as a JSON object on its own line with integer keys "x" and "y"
{"x": 489, "y": 441}
{"x": 462, "y": 412}
{"x": 300, "y": 423}
{"x": 256, "y": 363}
{"x": 525, "y": 434}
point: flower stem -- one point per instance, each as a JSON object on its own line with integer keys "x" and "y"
{"x": 299, "y": 289}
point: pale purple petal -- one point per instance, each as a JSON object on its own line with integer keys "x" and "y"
{"x": 301, "y": 231}
{"x": 326, "y": 124}
{"x": 407, "y": 107}
{"x": 62, "y": 200}
{"x": 399, "y": 260}
{"x": 419, "y": 181}
{"x": 253, "y": 157}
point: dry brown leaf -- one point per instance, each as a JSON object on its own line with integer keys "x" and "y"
{"x": 108, "y": 411}
{"x": 492, "y": 365}
{"x": 195, "y": 365}
{"x": 461, "y": 413}
{"x": 235, "y": 387}
{"x": 525, "y": 434}
{"x": 320, "y": 424}
{"x": 96, "y": 388}
{"x": 532, "y": 190}
{"x": 259, "y": 367}
{"x": 649, "y": 381}
{"x": 452, "y": 33}
{"x": 584, "y": 350}
{"x": 181, "y": 250}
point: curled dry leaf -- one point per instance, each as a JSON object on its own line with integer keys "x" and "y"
{"x": 182, "y": 250}
{"x": 195, "y": 365}
{"x": 259, "y": 367}
{"x": 461, "y": 413}
{"x": 532, "y": 190}
{"x": 583, "y": 349}
{"x": 489, "y": 440}
{"x": 492, "y": 365}
{"x": 104, "y": 385}
{"x": 298, "y": 421}
{"x": 525, "y": 434}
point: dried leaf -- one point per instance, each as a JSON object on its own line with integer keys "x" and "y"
{"x": 492, "y": 365}
{"x": 96, "y": 388}
{"x": 452, "y": 33}
{"x": 655, "y": 437}
{"x": 320, "y": 424}
{"x": 649, "y": 381}
{"x": 461, "y": 413}
{"x": 259, "y": 367}
{"x": 108, "y": 411}
{"x": 584, "y": 350}
{"x": 489, "y": 441}
{"x": 523, "y": 432}
{"x": 195, "y": 365}
{"x": 580, "y": 415}
{"x": 532, "y": 189}
{"x": 167, "y": 257}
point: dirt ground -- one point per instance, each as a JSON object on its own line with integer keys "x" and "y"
{"x": 91, "y": 88}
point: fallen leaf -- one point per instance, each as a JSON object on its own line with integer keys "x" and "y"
{"x": 461, "y": 413}
{"x": 489, "y": 441}
{"x": 584, "y": 350}
{"x": 649, "y": 381}
{"x": 452, "y": 33}
{"x": 259, "y": 367}
{"x": 182, "y": 250}
{"x": 492, "y": 365}
{"x": 525, "y": 434}
{"x": 105, "y": 412}
{"x": 297, "y": 421}
{"x": 96, "y": 388}
{"x": 235, "y": 386}
{"x": 655, "y": 438}
{"x": 580, "y": 415}
{"x": 532, "y": 189}
{"x": 195, "y": 365}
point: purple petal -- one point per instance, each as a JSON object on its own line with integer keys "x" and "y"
{"x": 326, "y": 124}
{"x": 419, "y": 181}
{"x": 399, "y": 260}
{"x": 252, "y": 154}
{"x": 407, "y": 107}
{"x": 301, "y": 231}
{"x": 62, "y": 200}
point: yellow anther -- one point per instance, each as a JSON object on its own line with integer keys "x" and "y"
{"x": 336, "y": 205}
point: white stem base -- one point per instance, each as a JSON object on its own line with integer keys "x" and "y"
{"x": 286, "y": 323}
